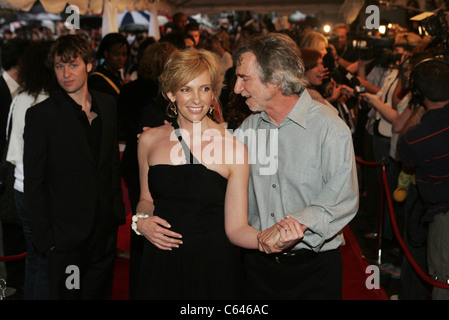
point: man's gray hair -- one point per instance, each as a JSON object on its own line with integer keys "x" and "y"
{"x": 279, "y": 61}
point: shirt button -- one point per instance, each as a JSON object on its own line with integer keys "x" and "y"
{"x": 273, "y": 185}
{"x": 272, "y": 215}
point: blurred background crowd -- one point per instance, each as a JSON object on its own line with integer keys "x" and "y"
{"x": 343, "y": 59}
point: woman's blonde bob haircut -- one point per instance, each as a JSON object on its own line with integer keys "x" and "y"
{"x": 184, "y": 66}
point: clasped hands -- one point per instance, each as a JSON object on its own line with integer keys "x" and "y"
{"x": 284, "y": 234}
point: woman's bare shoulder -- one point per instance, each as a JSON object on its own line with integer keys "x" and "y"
{"x": 155, "y": 134}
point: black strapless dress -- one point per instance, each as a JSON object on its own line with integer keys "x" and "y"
{"x": 206, "y": 266}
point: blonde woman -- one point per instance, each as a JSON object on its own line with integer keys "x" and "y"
{"x": 314, "y": 40}
{"x": 194, "y": 191}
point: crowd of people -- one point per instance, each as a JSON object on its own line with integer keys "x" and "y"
{"x": 239, "y": 159}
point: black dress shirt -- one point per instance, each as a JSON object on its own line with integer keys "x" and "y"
{"x": 93, "y": 129}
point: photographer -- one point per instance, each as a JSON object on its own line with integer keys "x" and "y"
{"x": 315, "y": 73}
{"x": 384, "y": 57}
{"x": 336, "y": 99}
{"x": 378, "y": 142}
{"x": 385, "y": 103}
{"x": 344, "y": 53}
{"x": 423, "y": 150}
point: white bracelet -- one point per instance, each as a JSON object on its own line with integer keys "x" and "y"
{"x": 136, "y": 217}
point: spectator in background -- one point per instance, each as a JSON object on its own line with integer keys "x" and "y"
{"x": 13, "y": 238}
{"x": 176, "y": 39}
{"x": 110, "y": 75}
{"x": 178, "y": 24}
{"x": 381, "y": 116}
{"x": 224, "y": 58}
{"x": 346, "y": 55}
{"x": 314, "y": 40}
{"x": 315, "y": 73}
{"x": 133, "y": 70}
{"x": 11, "y": 51}
{"x": 34, "y": 90}
{"x": 189, "y": 41}
{"x": 193, "y": 30}
{"x": 423, "y": 150}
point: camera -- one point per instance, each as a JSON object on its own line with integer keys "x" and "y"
{"x": 358, "y": 90}
{"x": 434, "y": 24}
{"x": 341, "y": 76}
{"x": 368, "y": 47}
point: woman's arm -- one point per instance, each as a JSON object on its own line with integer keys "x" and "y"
{"x": 275, "y": 239}
{"x": 237, "y": 228}
{"x": 154, "y": 228}
{"x": 371, "y": 88}
{"x": 388, "y": 113}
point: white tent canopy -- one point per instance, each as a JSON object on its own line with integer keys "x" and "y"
{"x": 281, "y": 7}
{"x": 190, "y": 7}
{"x": 87, "y": 6}
{"x": 110, "y": 8}
{"x": 326, "y": 9}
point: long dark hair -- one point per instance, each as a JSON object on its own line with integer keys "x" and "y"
{"x": 34, "y": 74}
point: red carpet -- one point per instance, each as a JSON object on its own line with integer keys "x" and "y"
{"x": 354, "y": 275}
{"x": 120, "y": 289}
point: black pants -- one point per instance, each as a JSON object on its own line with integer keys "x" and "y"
{"x": 413, "y": 287}
{"x": 308, "y": 276}
{"x": 94, "y": 263}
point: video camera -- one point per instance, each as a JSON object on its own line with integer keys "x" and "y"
{"x": 435, "y": 24}
{"x": 369, "y": 47}
{"x": 341, "y": 76}
{"x": 379, "y": 49}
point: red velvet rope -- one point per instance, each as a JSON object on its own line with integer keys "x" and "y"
{"x": 407, "y": 253}
{"x": 368, "y": 163}
{"x": 14, "y": 257}
{"x": 412, "y": 261}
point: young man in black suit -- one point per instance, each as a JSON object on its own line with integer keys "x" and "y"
{"x": 72, "y": 177}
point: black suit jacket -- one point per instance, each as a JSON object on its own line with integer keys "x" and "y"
{"x": 69, "y": 196}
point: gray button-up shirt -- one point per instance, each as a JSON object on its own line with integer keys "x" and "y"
{"x": 304, "y": 168}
